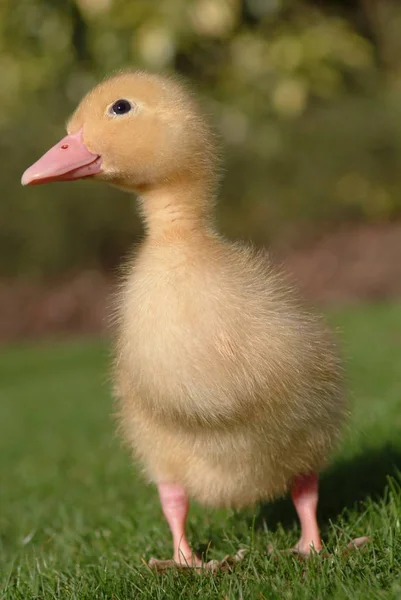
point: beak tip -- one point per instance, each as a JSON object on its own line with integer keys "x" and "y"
{"x": 25, "y": 179}
{"x": 29, "y": 177}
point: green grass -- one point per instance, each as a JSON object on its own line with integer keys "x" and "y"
{"x": 76, "y": 521}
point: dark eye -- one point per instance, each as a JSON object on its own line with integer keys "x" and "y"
{"x": 121, "y": 107}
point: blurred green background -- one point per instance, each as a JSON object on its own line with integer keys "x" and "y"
{"x": 305, "y": 94}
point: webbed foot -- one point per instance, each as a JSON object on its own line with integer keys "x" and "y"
{"x": 302, "y": 553}
{"x": 227, "y": 563}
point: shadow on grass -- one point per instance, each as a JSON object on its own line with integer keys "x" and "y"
{"x": 342, "y": 486}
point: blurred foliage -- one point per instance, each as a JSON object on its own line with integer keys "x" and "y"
{"x": 306, "y": 95}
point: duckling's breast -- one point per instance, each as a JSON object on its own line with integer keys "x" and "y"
{"x": 213, "y": 348}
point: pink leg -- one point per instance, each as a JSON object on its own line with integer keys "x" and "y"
{"x": 304, "y": 493}
{"x": 175, "y": 507}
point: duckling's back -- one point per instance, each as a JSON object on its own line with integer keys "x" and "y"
{"x": 226, "y": 384}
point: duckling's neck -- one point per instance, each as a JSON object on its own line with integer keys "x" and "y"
{"x": 173, "y": 208}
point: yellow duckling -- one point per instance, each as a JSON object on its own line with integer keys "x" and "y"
{"x": 229, "y": 390}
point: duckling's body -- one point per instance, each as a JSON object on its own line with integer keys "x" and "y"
{"x": 229, "y": 390}
{"x": 227, "y": 386}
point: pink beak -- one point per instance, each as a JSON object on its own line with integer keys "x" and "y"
{"x": 68, "y": 160}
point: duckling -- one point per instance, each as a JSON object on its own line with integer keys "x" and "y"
{"x": 230, "y": 391}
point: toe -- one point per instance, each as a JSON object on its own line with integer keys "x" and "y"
{"x": 162, "y": 565}
{"x": 356, "y": 543}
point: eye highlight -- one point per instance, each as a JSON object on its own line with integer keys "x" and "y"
{"x": 120, "y": 107}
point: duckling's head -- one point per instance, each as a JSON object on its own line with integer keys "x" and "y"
{"x": 135, "y": 130}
